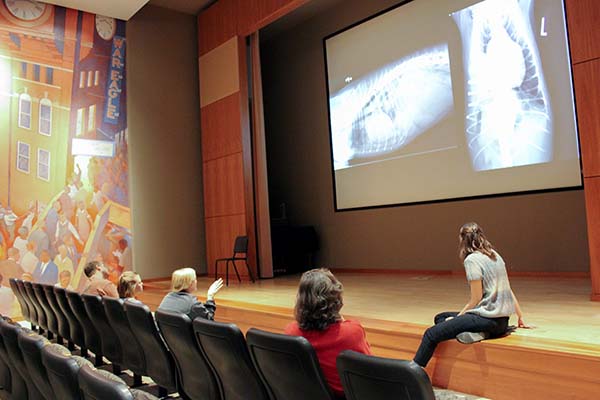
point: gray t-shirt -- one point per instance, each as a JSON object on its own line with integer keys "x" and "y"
{"x": 497, "y": 300}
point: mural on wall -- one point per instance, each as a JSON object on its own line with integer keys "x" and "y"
{"x": 64, "y": 197}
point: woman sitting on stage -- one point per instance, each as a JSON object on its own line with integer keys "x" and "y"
{"x": 180, "y": 300}
{"x": 491, "y": 304}
{"x": 318, "y": 319}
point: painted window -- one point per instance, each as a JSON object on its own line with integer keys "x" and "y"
{"x": 92, "y": 118}
{"x": 45, "y": 117}
{"x": 96, "y": 78}
{"x": 80, "y": 119}
{"x": 25, "y": 111}
{"x": 36, "y": 72}
{"x": 49, "y": 75}
{"x": 23, "y": 157}
{"x": 43, "y": 165}
{"x": 90, "y": 76}
{"x": 82, "y": 79}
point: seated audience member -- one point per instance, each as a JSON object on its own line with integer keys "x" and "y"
{"x": 97, "y": 283}
{"x": 64, "y": 280}
{"x": 317, "y": 313}
{"x": 46, "y": 271}
{"x": 180, "y": 300}
{"x": 130, "y": 284}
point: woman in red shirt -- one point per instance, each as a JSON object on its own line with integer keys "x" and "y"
{"x": 318, "y": 319}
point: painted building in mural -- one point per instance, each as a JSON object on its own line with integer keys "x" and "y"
{"x": 63, "y": 142}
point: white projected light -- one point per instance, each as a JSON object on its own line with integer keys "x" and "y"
{"x": 508, "y": 118}
{"x": 451, "y": 100}
{"x": 377, "y": 115}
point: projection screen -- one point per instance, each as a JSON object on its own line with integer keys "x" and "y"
{"x": 438, "y": 100}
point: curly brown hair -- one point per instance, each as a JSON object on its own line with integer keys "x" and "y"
{"x": 473, "y": 239}
{"x": 319, "y": 300}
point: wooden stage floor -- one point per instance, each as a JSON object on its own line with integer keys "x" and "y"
{"x": 560, "y": 359}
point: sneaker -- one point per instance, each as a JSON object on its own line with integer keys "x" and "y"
{"x": 471, "y": 337}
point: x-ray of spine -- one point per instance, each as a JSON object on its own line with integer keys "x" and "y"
{"x": 508, "y": 117}
{"x": 382, "y": 112}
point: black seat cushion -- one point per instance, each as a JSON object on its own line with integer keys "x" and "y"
{"x": 61, "y": 319}
{"x": 98, "y": 384}
{"x": 5, "y": 367}
{"x": 51, "y": 321}
{"x": 75, "y": 329}
{"x": 23, "y": 387}
{"x": 91, "y": 336}
{"x": 288, "y": 366}
{"x": 62, "y": 369}
{"x": 196, "y": 379}
{"x": 376, "y": 378}
{"x": 111, "y": 347}
{"x": 160, "y": 365}
{"x": 133, "y": 354}
{"x": 31, "y": 345}
{"x": 224, "y": 346}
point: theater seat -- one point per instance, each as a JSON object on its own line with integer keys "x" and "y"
{"x": 196, "y": 380}
{"x": 91, "y": 336}
{"x": 111, "y": 347}
{"x": 41, "y": 316}
{"x": 96, "y": 384}
{"x": 288, "y": 366}
{"x": 17, "y": 292}
{"x": 5, "y": 367}
{"x": 367, "y": 377}
{"x": 225, "y": 348}
{"x": 62, "y": 369}
{"x": 22, "y": 388}
{"x": 75, "y": 330}
{"x": 51, "y": 322}
{"x": 133, "y": 354}
{"x": 32, "y": 311}
{"x": 61, "y": 319}
{"x": 160, "y": 365}
{"x": 31, "y": 345}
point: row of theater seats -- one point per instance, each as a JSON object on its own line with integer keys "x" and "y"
{"x": 33, "y": 368}
{"x": 204, "y": 359}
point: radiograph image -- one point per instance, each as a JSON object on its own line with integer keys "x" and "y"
{"x": 508, "y": 118}
{"x": 379, "y": 114}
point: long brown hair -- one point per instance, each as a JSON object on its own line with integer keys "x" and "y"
{"x": 472, "y": 239}
{"x": 319, "y": 300}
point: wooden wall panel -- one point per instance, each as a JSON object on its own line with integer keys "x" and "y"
{"x": 216, "y": 25}
{"x": 587, "y": 84}
{"x": 224, "y": 186}
{"x": 221, "y": 128}
{"x": 220, "y": 235}
{"x": 592, "y": 204}
{"x": 228, "y": 18}
{"x": 584, "y": 30}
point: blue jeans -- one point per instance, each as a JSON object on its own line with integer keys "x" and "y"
{"x": 446, "y": 330}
